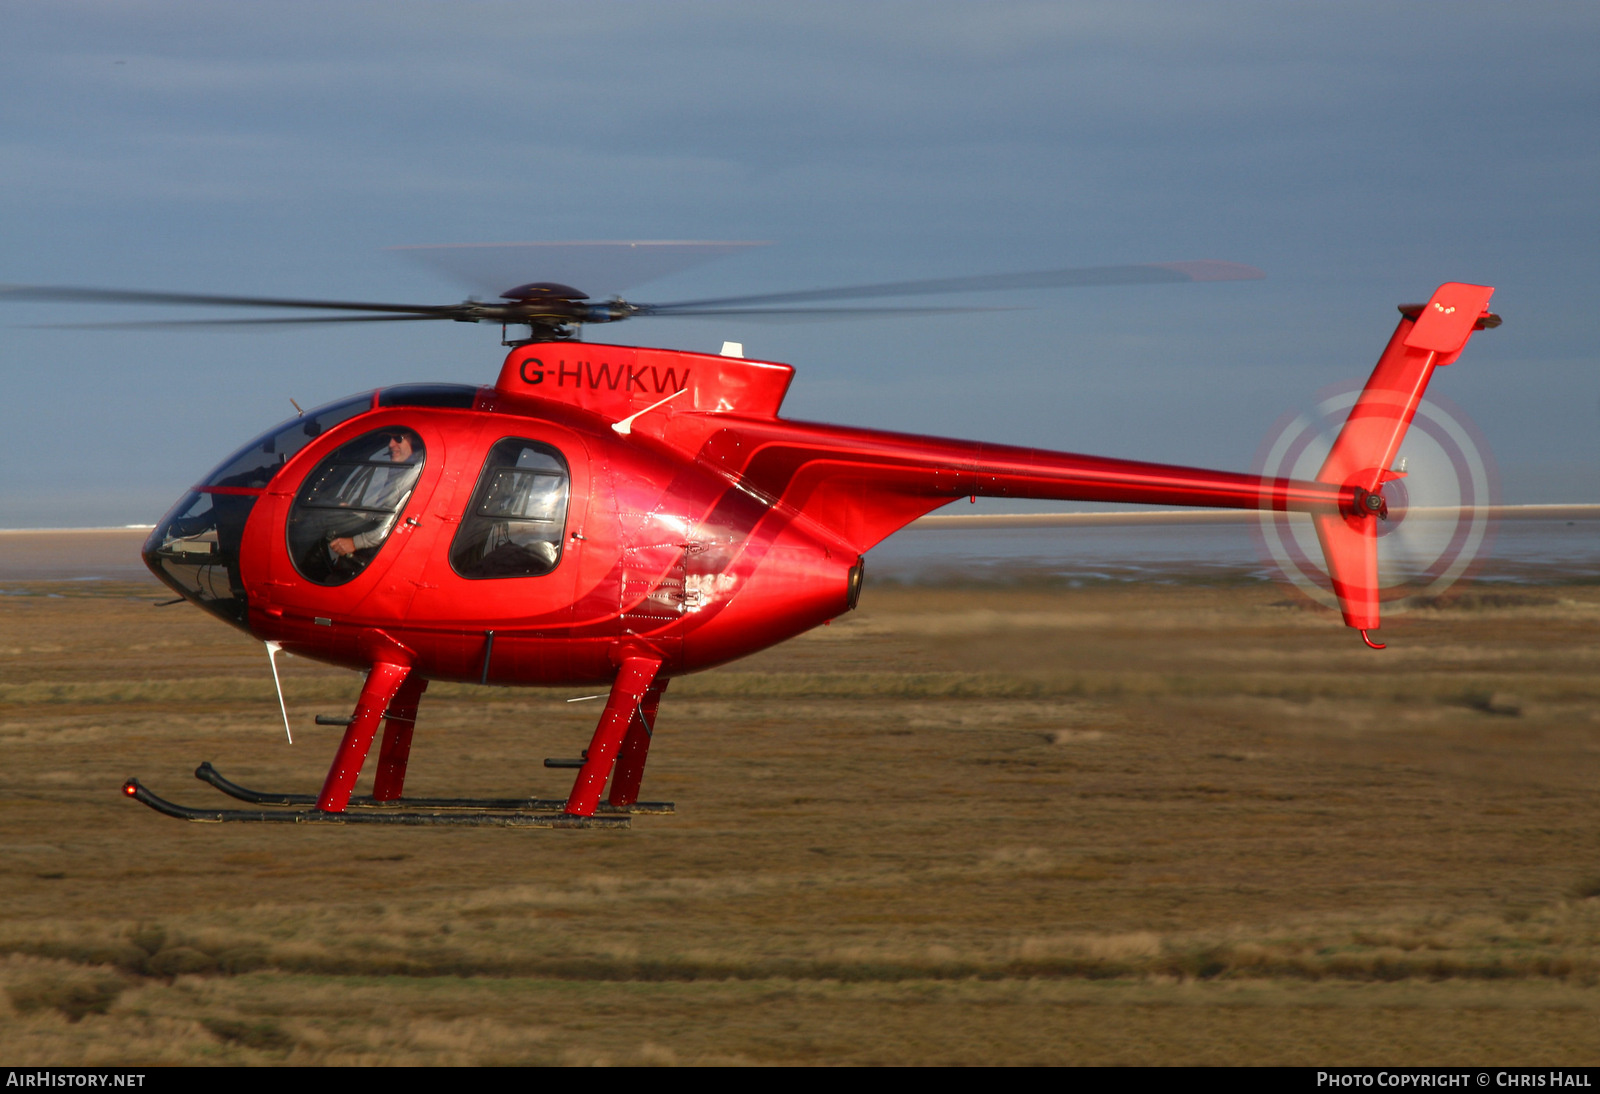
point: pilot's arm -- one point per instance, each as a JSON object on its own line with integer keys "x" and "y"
{"x": 362, "y": 541}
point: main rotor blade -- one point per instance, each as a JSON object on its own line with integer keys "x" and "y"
{"x": 171, "y": 324}
{"x": 66, "y": 294}
{"x": 801, "y": 315}
{"x": 1151, "y": 273}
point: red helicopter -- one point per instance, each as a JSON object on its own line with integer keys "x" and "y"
{"x": 615, "y": 516}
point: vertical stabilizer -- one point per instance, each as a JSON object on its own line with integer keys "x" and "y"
{"x": 1362, "y": 457}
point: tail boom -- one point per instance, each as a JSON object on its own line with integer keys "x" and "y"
{"x": 857, "y": 486}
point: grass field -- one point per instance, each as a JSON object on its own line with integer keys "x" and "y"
{"x": 1030, "y": 825}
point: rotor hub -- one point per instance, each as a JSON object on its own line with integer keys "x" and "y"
{"x": 541, "y": 291}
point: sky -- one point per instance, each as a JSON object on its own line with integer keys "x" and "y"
{"x": 1359, "y": 153}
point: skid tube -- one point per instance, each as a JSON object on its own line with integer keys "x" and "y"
{"x": 316, "y": 816}
{"x": 212, "y": 777}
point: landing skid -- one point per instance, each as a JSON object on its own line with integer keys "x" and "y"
{"x": 316, "y": 816}
{"x": 390, "y": 694}
{"x": 208, "y": 774}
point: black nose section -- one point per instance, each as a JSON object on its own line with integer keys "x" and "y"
{"x": 195, "y": 551}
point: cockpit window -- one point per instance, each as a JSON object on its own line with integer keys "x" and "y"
{"x": 256, "y": 463}
{"x": 195, "y": 548}
{"x": 348, "y": 505}
{"x": 458, "y": 396}
{"x": 515, "y": 523}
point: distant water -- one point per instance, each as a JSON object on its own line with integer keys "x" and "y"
{"x": 1518, "y": 551}
{"x": 87, "y": 554}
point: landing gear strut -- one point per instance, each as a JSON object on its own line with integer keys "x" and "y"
{"x": 391, "y": 693}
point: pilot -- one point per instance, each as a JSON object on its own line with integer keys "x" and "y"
{"x": 400, "y": 452}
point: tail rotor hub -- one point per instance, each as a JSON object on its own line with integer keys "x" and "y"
{"x": 1370, "y": 503}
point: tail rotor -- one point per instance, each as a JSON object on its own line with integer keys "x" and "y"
{"x": 1427, "y": 489}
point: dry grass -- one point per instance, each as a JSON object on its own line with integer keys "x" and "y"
{"x": 1183, "y": 824}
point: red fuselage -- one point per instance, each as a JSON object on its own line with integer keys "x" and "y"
{"x": 651, "y": 503}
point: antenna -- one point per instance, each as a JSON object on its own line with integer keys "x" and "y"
{"x": 272, "y": 656}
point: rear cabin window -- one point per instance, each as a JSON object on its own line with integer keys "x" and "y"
{"x": 350, "y": 502}
{"x": 518, "y": 514}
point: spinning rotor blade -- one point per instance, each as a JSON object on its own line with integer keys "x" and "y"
{"x": 552, "y": 310}
{"x": 63, "y": 294}
{"x": 179, "y": 324}
{"x": 801, "y": 315}
{"x": 1149, "y": 274}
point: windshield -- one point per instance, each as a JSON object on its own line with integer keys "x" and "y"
{"x": 195, "y": 548}
{"x": 256, "y": 463}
